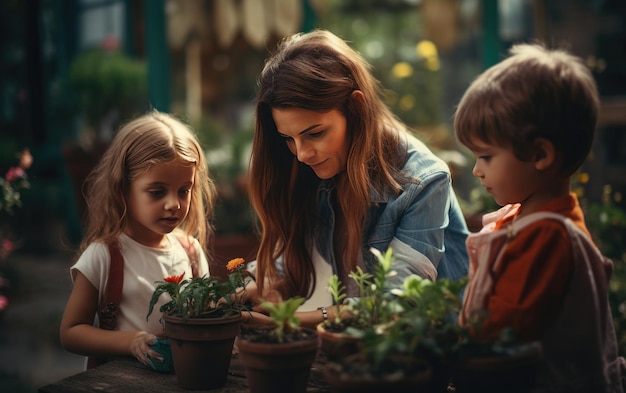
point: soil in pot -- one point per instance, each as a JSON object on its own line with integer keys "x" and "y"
{"x": 277, "y": 367}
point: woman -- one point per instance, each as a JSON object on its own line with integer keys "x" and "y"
{"x": 334, "y": 173}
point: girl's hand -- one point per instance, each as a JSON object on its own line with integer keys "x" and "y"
{"x": 140, "y": 348}
{"x": 251, "y": 294}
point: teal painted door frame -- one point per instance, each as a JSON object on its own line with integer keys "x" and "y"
{"x": 157, "y": 54}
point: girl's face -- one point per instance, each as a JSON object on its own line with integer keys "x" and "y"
{"x": 317, "y": 139}
{"x": 507, "y": 178}
{"x": 158, "y": 201}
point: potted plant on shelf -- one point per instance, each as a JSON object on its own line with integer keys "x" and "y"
{"x": 389, "y": 339}
{"x": 201, "y": 322}
{"x": 108, "y": 87}
{"x": 278, "y": 358}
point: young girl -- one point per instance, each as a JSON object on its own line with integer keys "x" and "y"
{"x": 152, "y": 180}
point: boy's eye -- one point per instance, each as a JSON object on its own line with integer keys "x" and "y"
{"x": 184, "y": 191}
{"x": 485, "y": 158}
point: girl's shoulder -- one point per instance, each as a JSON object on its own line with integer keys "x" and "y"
{"x": 95, "y": 250}
{"x": 93, "y": 263}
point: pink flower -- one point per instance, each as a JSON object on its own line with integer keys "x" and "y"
{"x": 7, "y": 245}
{"x": 4, "y": 302}
{"x": 110, "y": 44}
{"x": 15, "y": 173}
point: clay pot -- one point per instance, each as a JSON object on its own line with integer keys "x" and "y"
{"x": 337, "y": 345}
{"x": 278, "y": 367}
{"x": 497, "y": 373}
{"x": 342, "y": 382}
{"x": 201, "y": 349}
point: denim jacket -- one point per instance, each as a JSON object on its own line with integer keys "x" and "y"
{"x": 424, "y": 225}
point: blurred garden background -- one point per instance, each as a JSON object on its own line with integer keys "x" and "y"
{"x": 73, "y": 70}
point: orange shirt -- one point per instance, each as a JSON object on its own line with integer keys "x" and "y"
{"x": 532, "y": 277}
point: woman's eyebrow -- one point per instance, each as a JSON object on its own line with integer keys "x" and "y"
{"x": 309, "y": 128}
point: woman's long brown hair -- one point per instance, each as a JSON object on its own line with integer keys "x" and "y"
{"x": 317, "y": 71}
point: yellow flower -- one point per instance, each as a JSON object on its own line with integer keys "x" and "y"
{"x": 234, "y": 264}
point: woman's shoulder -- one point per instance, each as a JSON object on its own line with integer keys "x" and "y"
{"x": 422, "y": 162}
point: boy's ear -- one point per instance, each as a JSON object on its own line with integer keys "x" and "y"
{"x": 544, "y": 154}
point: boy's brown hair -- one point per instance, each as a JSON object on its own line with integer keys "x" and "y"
{"x": 534, "y": 93}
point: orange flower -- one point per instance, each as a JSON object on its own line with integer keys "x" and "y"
{"x": 234, "y": 264}
{"x": 175, "y": 279}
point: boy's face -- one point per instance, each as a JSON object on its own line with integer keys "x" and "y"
{"x": 507, "y": 178}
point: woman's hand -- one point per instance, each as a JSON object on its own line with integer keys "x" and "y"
{"x": 253, "y": 319}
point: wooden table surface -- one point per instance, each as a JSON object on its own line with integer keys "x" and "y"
{"x": 130, "y": 376}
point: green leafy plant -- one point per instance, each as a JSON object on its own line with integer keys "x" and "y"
{"x": 202, "y": 297}
{"x": 108, "y": 83}
{"x": 338, "y": 293}
{"x": 283, "y": 316}
{"x": 11, "y": 184}
{"x": 15, "y": 180}
{"x": 399, "y": 329}
{"x": 374, "y": 304}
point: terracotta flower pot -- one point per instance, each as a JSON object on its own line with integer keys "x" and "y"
{"x": 201, "y": 349}
{"x": 497, "y": 373}
{"x": 278, "y": 367}
{"x": 337, "y": 345}
{"x": 342, "y": 382}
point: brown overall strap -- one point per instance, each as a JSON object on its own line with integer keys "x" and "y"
{"x": 113, "y": 293}
{"x": 110, "y": 306}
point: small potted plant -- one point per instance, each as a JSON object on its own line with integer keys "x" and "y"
{"x": 374, "y": 306}
{"x": 201, "y": 322}
{"x": 388, "y": 339}
{"x": 107, "y": 87}
{"x": 278, "y": 358}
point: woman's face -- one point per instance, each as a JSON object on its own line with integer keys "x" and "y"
{"x": 317, "y": 139}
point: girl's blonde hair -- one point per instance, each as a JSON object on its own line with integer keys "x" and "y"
{"x": 152, "y": 139}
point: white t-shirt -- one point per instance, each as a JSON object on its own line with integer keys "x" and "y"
{"x": 142, "y": 267}
{"x": 321, "y": 296}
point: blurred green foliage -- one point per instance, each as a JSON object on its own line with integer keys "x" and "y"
{"x": 108, "y": 80}
{"x": 607, "y": 223}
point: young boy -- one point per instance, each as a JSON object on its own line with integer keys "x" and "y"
{"x": 530, "y": 122}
